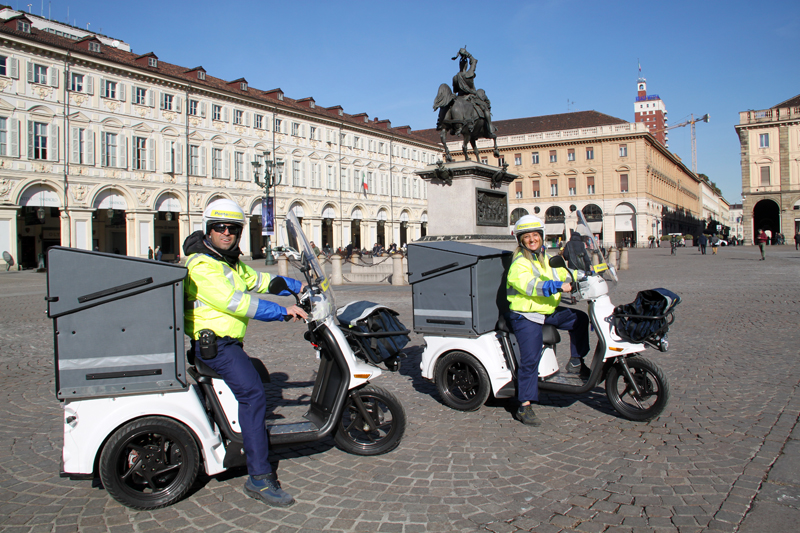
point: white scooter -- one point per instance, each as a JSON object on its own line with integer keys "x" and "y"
{"x": 147, "y": 448}
{"x": 467, "y": 369}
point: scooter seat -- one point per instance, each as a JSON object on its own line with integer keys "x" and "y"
{"x": 550, "y": 334}
{"x": 204, "y": 370}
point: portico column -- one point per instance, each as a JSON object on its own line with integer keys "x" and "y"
{"x": 244, "y": 241}
{"x": 141, "y": 233}
{"x": 8, "y": 233}
{"x": 80, "y": 227}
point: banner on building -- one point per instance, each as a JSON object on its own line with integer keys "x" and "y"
{"x": 267, "y": 217}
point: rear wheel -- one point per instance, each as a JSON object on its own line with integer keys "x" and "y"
{"x": 462, "y": 381}
{"x": 149, "y": 463}
{"x": 374, "y": 430}
{"x": 652, "y": 384}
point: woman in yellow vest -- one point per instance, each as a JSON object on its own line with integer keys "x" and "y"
{"x": 534, "y": 292}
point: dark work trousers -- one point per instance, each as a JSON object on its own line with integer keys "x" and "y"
{"x": 529, "y": 338}
{"x": 244, "y": 381}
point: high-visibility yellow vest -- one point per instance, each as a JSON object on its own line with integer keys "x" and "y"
{"x": 524, "y": 286}
{"x": 216, "y": 297}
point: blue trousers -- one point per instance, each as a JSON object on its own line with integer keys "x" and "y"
{"x": 234, "y": 365}
{"x": 529, "y": 338}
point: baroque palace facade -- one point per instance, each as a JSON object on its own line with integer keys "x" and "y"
{"x": 104, "y": 149}
{"x": 627, "y": 184}
{"x": 770, "y": 142}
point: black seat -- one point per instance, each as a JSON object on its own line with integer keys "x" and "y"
{"x": 550, "y": 334}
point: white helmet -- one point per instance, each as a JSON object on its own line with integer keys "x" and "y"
{"x": 223, "y": 211}
{"x": 527, "y": 224}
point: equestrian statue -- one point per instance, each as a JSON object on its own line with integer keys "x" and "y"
{"x": 464, "y": 111}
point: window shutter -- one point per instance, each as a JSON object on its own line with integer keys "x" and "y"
{"x": 30, "y": 71}
{"x": 122, "y": 151}
{"x": 103, "y": 88}
{"x": 89, "y": 85}
{"x": 54, "y": 74}
{"x": 14, "y": 137}
{"x": 103, "y": 154}
{"x": 151, "y": 154}
{"x": 89, "y": 147}
{"x": 121, "y": 91}
{"x": 30, "y": 140}
{"x": 52, "y": 143}
{"x": 226, "y": 164}
{"x": 178, "y": 107}
{"x": 161, "y": 101}
{"x": 151, "y": 99}
{"x": 167, "y": 157}
{"x": 202, "y": 151}
{"x": 202, "y": 109}
{"x": 14, "y": 68}
{"x": 247, "y": 119}
{"x": 225, "y": 114}
{"x": 178, "y": 158}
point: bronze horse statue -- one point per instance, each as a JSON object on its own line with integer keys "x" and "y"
{"x": 461, "y": 115}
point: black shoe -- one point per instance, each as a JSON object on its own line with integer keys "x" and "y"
{"x": 578, "y": 368}
{"x": 267, "y": 489}
{"x": 526, "y": 415}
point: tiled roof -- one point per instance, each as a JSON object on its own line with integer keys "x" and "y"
{"x": 519, "y": 126}
{"x": 128, "y": 59}
{"x": 791, "y": 102}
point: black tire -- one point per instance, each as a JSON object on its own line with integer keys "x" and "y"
{"x": 149, "y": 463}
{"x": 651, "y": 382}
{"x": 387, "y": 414}
{"x": 462, "y": 381}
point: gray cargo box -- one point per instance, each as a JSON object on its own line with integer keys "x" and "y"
{"x": 458, "y": 288}
{"x": 118, "y": 323}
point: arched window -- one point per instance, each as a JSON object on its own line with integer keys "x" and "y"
{"x": 554, "y": 215}
{"x": 516, "y": 214}
{"x": 593, "y": 213}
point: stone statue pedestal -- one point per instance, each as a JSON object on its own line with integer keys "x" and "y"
{"x": 468, "y": 201}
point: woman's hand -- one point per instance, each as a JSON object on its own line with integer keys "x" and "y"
{"x": 296, "y": 312}
{"x": 566, "y": 287}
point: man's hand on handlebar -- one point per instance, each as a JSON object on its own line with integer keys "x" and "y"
{"x": 296, "y": 313}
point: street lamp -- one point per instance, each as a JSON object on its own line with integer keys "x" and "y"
{"x": 272, "y": 178}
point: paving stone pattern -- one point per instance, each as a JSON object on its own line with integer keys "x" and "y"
{"x": 733, "y": 369}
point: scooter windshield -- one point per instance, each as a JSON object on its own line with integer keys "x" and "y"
{"x": 322, "y": 298}
{"x": 607, "y": 271}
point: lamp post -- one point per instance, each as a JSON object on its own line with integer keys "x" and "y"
{"x": 272, "y": 178}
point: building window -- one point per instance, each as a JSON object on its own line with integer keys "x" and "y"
{"x": 166, "y": 102}
{"x": 312, "y": 133}
{"x": 139, "y": 153}
{"x": 151, "y": 61}
{"x": 535, "y": 189}
{"x": 485, "y": 160}
{"x": 76, "y": 82}
{"x": 110, "y": 152}
{"x": 296, "y": 177}
{"x": 216, "y": 112}
{"x": 3, "y": 136}
{"x": 277, "y": 127}
{"x": 764, "y": 175}
{"x": 140, "y": 96}
{"x": 553, "y": 187}
{"x": 40, "y": 74}
{"x": 238, "y": 166}
{"x": 331, "y": 179}
{"x": 623, "y": 183}
{"x": 623, "y": 150}
{"x": 501, "y": 161}
{"x": 553, "y": 156}
{"x": 193, "y": 107}
{"x": 535, "y": 158}
{"x": 243, "y": 85}
{"x": 571, "y": 154}
{"x": 589, "y": 153}
{"x": 517, "y": 159}
{"x": 39, "y": 140}
{"x": 238, "y": 116}
{"x": 573, "y": 190}
{"x": 259, "y": 122}
{"x": 194, "y": 160}
{"x": 201, "y": 75}
{"x": 763, "y": 140}
{"x": 295, "y": 129}
{"x": 518, "y": 186}
{"x": 216, "y": 161}
{"x": 23, "y": 26}
{"x": 590, "y": 185}
{"x": 110, "y": 89}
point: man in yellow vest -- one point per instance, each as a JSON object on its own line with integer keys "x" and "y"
{"x": 534, "y": 292}
{"x": 218, "y": 309}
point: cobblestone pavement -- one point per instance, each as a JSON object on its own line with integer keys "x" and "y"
{"x": 733, "y": 367}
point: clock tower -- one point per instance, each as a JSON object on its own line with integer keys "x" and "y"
{"x": 650, "y": 110}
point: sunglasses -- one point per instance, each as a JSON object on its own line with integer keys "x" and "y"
{"x": 233, "y": 229}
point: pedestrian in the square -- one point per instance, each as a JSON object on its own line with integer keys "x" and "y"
{"x": 761, "y": 240}
{"x": 797, "y": 240}
{"x": 703, "y": 241}
{"x": 149, "y": 252}
{"x": 714, "y": 244}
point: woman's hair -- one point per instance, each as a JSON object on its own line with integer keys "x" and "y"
{"x": 527, "y": 253}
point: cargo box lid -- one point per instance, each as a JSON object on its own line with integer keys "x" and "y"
{"x": 427, "y": 260}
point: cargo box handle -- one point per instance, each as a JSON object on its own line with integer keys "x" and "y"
{"x": 435, "y": 270}
{"x": 114, "y": 290}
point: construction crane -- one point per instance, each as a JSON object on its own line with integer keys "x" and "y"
{"x": 691, "y": 122}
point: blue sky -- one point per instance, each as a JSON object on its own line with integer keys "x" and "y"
{"x": 535, "y": 58}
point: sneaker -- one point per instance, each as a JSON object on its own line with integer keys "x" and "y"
{"x": 267, "y": 489}
{"x": 577, "y": 366}
{"x": 526, "y": 415}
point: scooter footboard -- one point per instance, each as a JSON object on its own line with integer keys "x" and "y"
{"x": 486, "y": 349}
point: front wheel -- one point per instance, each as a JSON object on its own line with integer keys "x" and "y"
{"x": 653, "y": 386}
{"x": 149, "y": 463}
{"x": 462, "y": 381}
{"x": 375, "y": 429}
